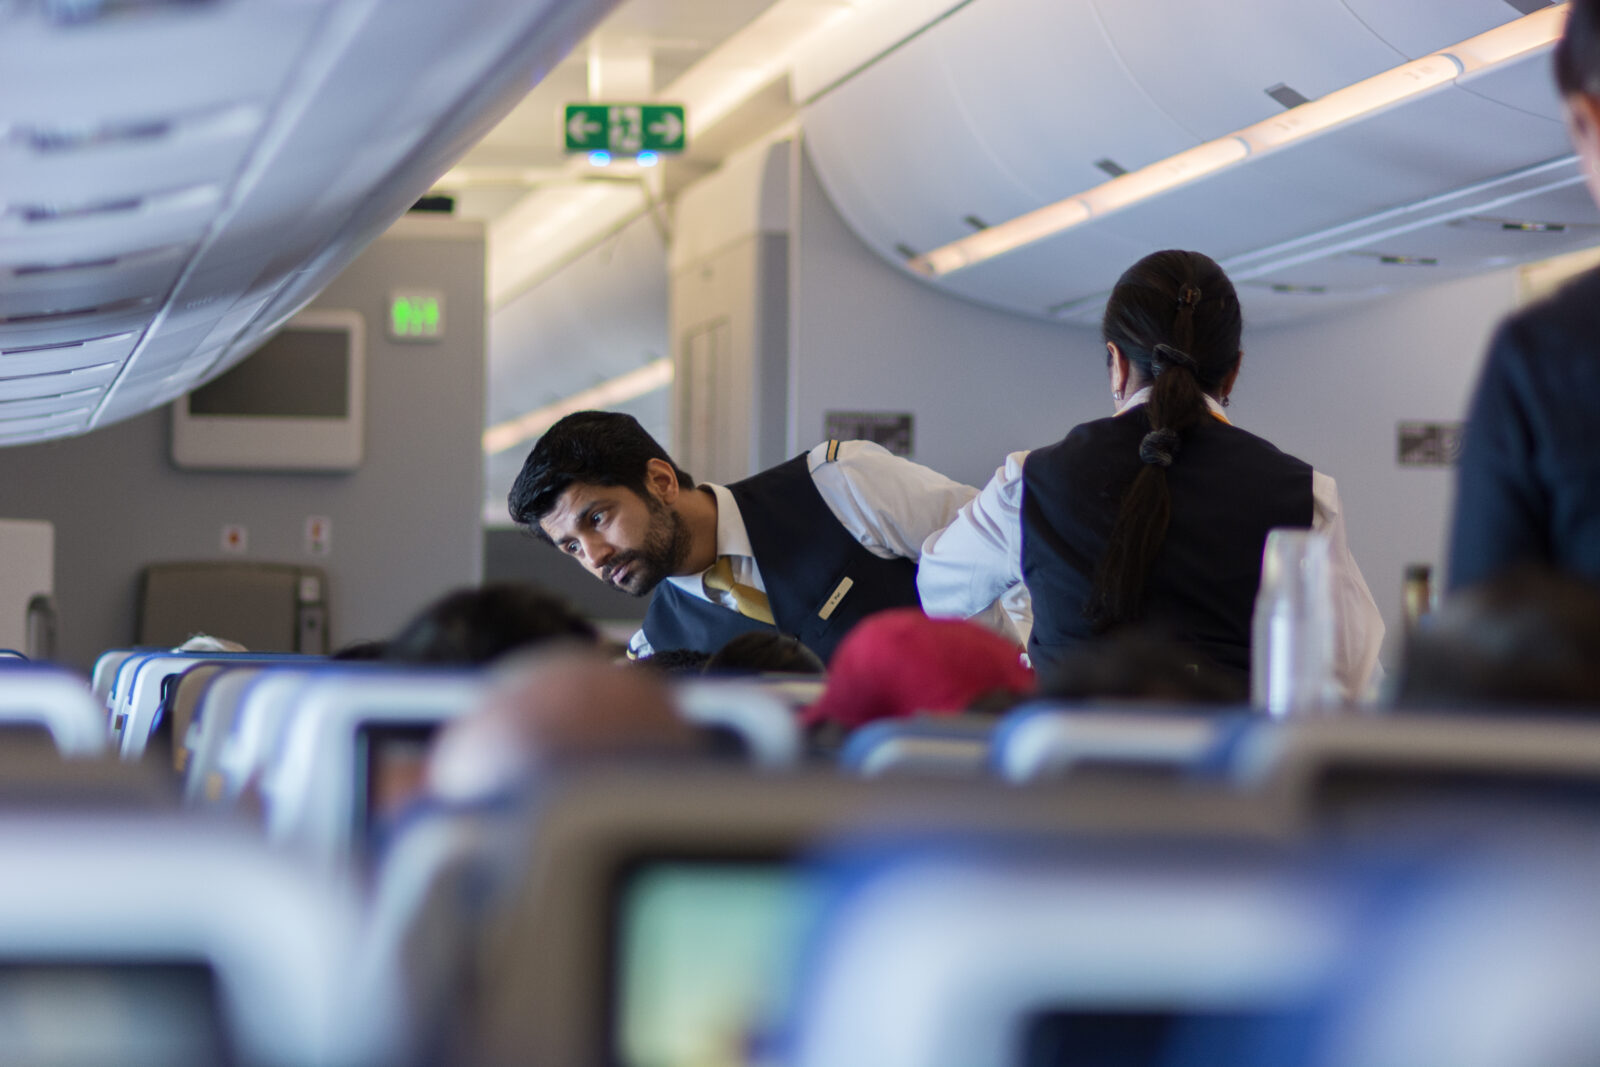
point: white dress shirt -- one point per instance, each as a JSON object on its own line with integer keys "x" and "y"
{"x": 889, "y": 504}
{"x": 978, "y": 558}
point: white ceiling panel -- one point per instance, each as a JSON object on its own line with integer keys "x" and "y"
{"x": 1079, "y": 104}
{"x": 78, "y": 400}
{"x": 1440, "y": 141}
{"x": 56, "y": 383}
{"x": 152, "y": 63}
{"x": 1525, "y": 84}
{"x": 894, "y": 147}
{"x": 1416, "y": 29}
{"x": 1209, "y": 65}
{"x": 36, "y": 291}
{"x": 45, "y": 164}
{"x": 67, "y": 328}
{"x": 1036, "y": 278}
{"x": 1227, "y": 214}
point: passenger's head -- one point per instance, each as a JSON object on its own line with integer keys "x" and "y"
{"x": 478, "y": 625}
{"x": 899, "y": 663}
{"x": 1526, "y": 638}
{"x": 675, "y": 661}
{"x": 555, "y": 708}
{"x": 1142, "y": 666}
{"x": 1577, "y": 69}
{"x": 765, "y": 652}
{"x": 1172, "y": 323}
{"x": 600, "y": 489}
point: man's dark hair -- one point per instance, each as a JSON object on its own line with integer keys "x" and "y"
{"x": 472, "y": 626}
{"x": 591, "y": 447}
{"x": 1577, "y": 54}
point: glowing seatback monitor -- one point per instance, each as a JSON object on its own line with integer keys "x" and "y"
{"x": 296, "y": 403}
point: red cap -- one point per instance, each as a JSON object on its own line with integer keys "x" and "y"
{"x": 899, "y": 662}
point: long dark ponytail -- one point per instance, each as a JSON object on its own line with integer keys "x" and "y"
{"x": 1175, "y": 316}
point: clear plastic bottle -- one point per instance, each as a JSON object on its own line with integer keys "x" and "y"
{"x": 1291, "y": 633}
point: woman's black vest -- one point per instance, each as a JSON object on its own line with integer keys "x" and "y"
{"x": 1228, "y": 489}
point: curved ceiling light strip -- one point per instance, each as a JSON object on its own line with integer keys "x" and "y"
{"x": 1499, "y": 45}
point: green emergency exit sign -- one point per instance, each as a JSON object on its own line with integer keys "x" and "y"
{"x": 625, "y": 129}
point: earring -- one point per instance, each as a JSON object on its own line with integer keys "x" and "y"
{"x": 1224, "y": 400}
{"x": 1117, "y": 393}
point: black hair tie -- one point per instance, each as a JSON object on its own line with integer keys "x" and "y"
{"x": 1160, "y": 447}
{"x": 1164, "y": 356}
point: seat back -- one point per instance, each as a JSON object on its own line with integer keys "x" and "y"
{"x": 57, "y": 700}
{"x": 105, "y": 671}
{"x": 1046, "y": 741}
{"x": 557, "y": 981}
{"x": 158, "y": 939}
{"x": 135, "y": 716}
{"x": 1140, "y": 954}
{"x": 759, "y": 716}
{"x": 266, "y": 705}
{"x": 352, "y": 746}
{"x": 1348, "y": 770}
{"x": 926, "y": 744}
{"x": 215, "y": 709}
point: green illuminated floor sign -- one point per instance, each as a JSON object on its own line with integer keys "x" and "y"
{"x": 625, "y": 129}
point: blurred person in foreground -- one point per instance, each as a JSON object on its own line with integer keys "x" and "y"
{"x": 1527, "y": 638}
{"x": 1528, "y": 484}
{"x": 460, "y": 845}
{"x": 900, "y": 663}
{"x": 483, "y": 623}
{"x": 550, "y": 708}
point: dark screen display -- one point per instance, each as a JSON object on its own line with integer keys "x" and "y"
{"x": 300, "y": 373}
{"x": 1138, "y": 1037}
{"x": 391, "y": 760}
{"x": 83, "y": 1013}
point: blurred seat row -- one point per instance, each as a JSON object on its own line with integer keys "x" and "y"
{"x": 226, "y": 857}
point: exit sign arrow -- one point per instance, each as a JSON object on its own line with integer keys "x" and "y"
{"x": 581, "y": 123}
{"x": 625, "y": 129}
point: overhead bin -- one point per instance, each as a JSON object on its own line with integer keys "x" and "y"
{"x": 1415, "y": 29}
{"x": 1526, "y": 84}
{"x": 1211, "y": 65}
{"x": 914, "y": 162}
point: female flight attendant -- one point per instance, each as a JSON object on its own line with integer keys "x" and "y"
{"x": 1156, "y": 516}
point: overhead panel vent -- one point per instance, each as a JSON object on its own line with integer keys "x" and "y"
{"x": 1505, "y": 225}
{"x": 1286, "y": 96}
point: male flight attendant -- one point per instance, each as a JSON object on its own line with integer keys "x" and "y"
{"x": 810, "y": 546}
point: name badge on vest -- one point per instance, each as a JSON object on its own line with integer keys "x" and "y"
{"x": 833, "y": 598}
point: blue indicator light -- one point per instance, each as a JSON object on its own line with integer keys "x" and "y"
{"x": 646, "y": 159}
{"x": 600, "y": 159}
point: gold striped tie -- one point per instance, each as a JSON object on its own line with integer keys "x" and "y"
{"x": 750, "y": 601}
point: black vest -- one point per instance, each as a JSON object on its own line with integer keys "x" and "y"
{"x": 1228, "y": 489}
{"x": 804, "y": 555}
